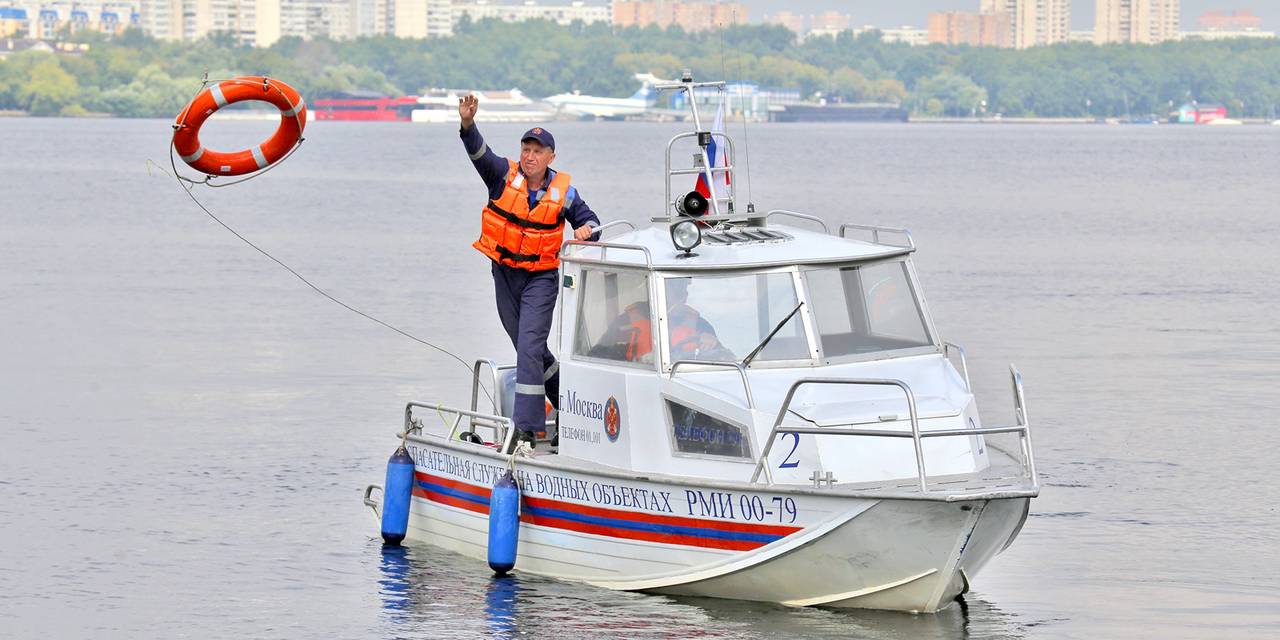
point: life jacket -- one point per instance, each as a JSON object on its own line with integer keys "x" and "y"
{"x": 682, "y": 323}
{"x": 683, "y": 330}
{"x": 513, "y": 234}
{"x": 640, "y": 341}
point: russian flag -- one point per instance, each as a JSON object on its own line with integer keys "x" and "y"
{"x": 717, "y": 129}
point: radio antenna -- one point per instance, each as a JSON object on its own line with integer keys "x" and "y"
{"x": 742, "y": 103}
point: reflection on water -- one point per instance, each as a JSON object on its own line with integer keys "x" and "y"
{"x": 395, "y": 586}
{"x": 500, "y": 605}
{"x": 427, "y": 592}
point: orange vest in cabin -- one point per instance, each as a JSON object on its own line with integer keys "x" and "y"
{"x": 513, "y": 234}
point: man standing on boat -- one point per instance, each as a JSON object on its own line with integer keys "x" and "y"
{"x": 521, "y": 231}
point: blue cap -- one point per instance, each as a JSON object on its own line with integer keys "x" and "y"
{"x": 541, "y": 135}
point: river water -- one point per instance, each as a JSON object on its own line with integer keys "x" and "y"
{"x": 185, "y": 428}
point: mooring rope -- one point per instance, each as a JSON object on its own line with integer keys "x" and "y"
{"x": 188, "y": 185}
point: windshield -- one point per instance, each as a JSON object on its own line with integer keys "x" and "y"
{"x": 865, "y": 309}
{"x": 725, "y": 317}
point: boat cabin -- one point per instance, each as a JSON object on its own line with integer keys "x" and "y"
{"x": 679, "y": 362}
{"x": 718, "y": 344}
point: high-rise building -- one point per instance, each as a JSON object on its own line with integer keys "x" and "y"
{"x": 161, "y": 18}
{"x": 52, "y": 19}
{"x": 1136, "y": 21}
{"x": 252, "y": 22}
{"x": 561, "y": 13}
{"x": 371, "y": 18}
{"x": 423, "y": 18}
{"x": 830, "y": 23}
{"x": 792, "y": 21}
{"x": 975, "y": 29}
{"x": 1033, "y": 22}
{"x": 690, "y": 16}
{"x": 263, "y": 22}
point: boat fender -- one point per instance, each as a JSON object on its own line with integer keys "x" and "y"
{"x": 397, "y": 496}
{"x": 504, "y": 523}
{"x": 186, "y": 129}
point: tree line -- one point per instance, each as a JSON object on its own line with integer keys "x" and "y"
{"x": 133, "y": 75}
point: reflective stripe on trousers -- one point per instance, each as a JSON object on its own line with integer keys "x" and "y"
{"x": 526, "y": 301}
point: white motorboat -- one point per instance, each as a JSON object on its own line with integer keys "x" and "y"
{"x": 788, "y": 427}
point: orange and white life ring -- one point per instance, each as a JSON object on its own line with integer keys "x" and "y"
{"x": 186, "y": 135}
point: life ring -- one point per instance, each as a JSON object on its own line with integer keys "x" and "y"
{"x": 186, "y": 134}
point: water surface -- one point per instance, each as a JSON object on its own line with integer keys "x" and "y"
{"x": 186, "y": 428}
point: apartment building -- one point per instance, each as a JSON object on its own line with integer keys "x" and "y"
{"x": 560, "y": 13}
{"x": 830, "y": 23}
{"x": 974, "y": 29}
{"x": 49, "y": 18}
{"x": 1136, "y": 21}
{"x": 688, "y": 15}
{"x": 1033, "y": 22}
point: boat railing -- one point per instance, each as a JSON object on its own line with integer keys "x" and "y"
{"x": 876, "y": 230}
{"x": 802, "y": 216}
{"x": 950, "y": 348}
{"x": 616, "y": 223}
{"x": 500, "y": 425}
{"x": 742, "y": 371}
{"x": 496, "y": 370}
{"x": 701, "y": 162}
{"x": 916, "y": 435}
{"x": 568, "y": 255}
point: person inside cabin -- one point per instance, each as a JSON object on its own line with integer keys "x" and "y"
{"x": 691, "y": 337}
{"x": 521, "y": 232}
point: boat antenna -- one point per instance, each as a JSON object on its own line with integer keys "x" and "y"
{"x": 724, "y": 101}
{"x": 742, "y": 102}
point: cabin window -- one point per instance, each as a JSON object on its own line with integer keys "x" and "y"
{"x": 613, "y": 317}
{"x": 865, "y": 309}
{"x": 698, "y": 433}
{"x": 725, "y": 318}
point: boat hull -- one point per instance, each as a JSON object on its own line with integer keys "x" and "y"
{"x": 690, "y": 536}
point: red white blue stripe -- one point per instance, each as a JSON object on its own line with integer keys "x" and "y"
{"x": 613, "y": 523}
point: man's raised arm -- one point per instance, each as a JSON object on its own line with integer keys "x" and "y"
{"x": 491, "y": 167}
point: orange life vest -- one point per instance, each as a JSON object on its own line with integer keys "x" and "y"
{"x": 513, "y": 234}
{"x": 683, "y": 323}
{"x": 641, "y": 330}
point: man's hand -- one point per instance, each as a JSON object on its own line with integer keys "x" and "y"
{"x": 467, "y": 106}
{"x": 584, "y": 232}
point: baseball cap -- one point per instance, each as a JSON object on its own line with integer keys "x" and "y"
{"x": 541, "y": 135}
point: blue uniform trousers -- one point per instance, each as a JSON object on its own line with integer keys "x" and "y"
{"x": 526, "y": 300}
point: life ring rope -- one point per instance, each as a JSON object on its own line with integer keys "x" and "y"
{"x": 215, "y": 94}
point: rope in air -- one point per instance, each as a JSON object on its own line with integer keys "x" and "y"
{"x": 188, "y": 186}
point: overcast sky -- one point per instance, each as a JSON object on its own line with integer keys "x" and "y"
{"x": 886, "y": 13}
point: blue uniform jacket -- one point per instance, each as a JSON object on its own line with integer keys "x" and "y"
{"x": 493, "y": 170}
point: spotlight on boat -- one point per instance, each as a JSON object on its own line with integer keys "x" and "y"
{"x": 686, "y": 235}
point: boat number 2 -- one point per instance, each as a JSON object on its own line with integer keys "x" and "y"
{"x": 788, "y": 463}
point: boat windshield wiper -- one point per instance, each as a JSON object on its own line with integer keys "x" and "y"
{"x": 754, "y": 352}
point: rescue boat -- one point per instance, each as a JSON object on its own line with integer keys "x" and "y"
{"x": 748, "y": 409}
